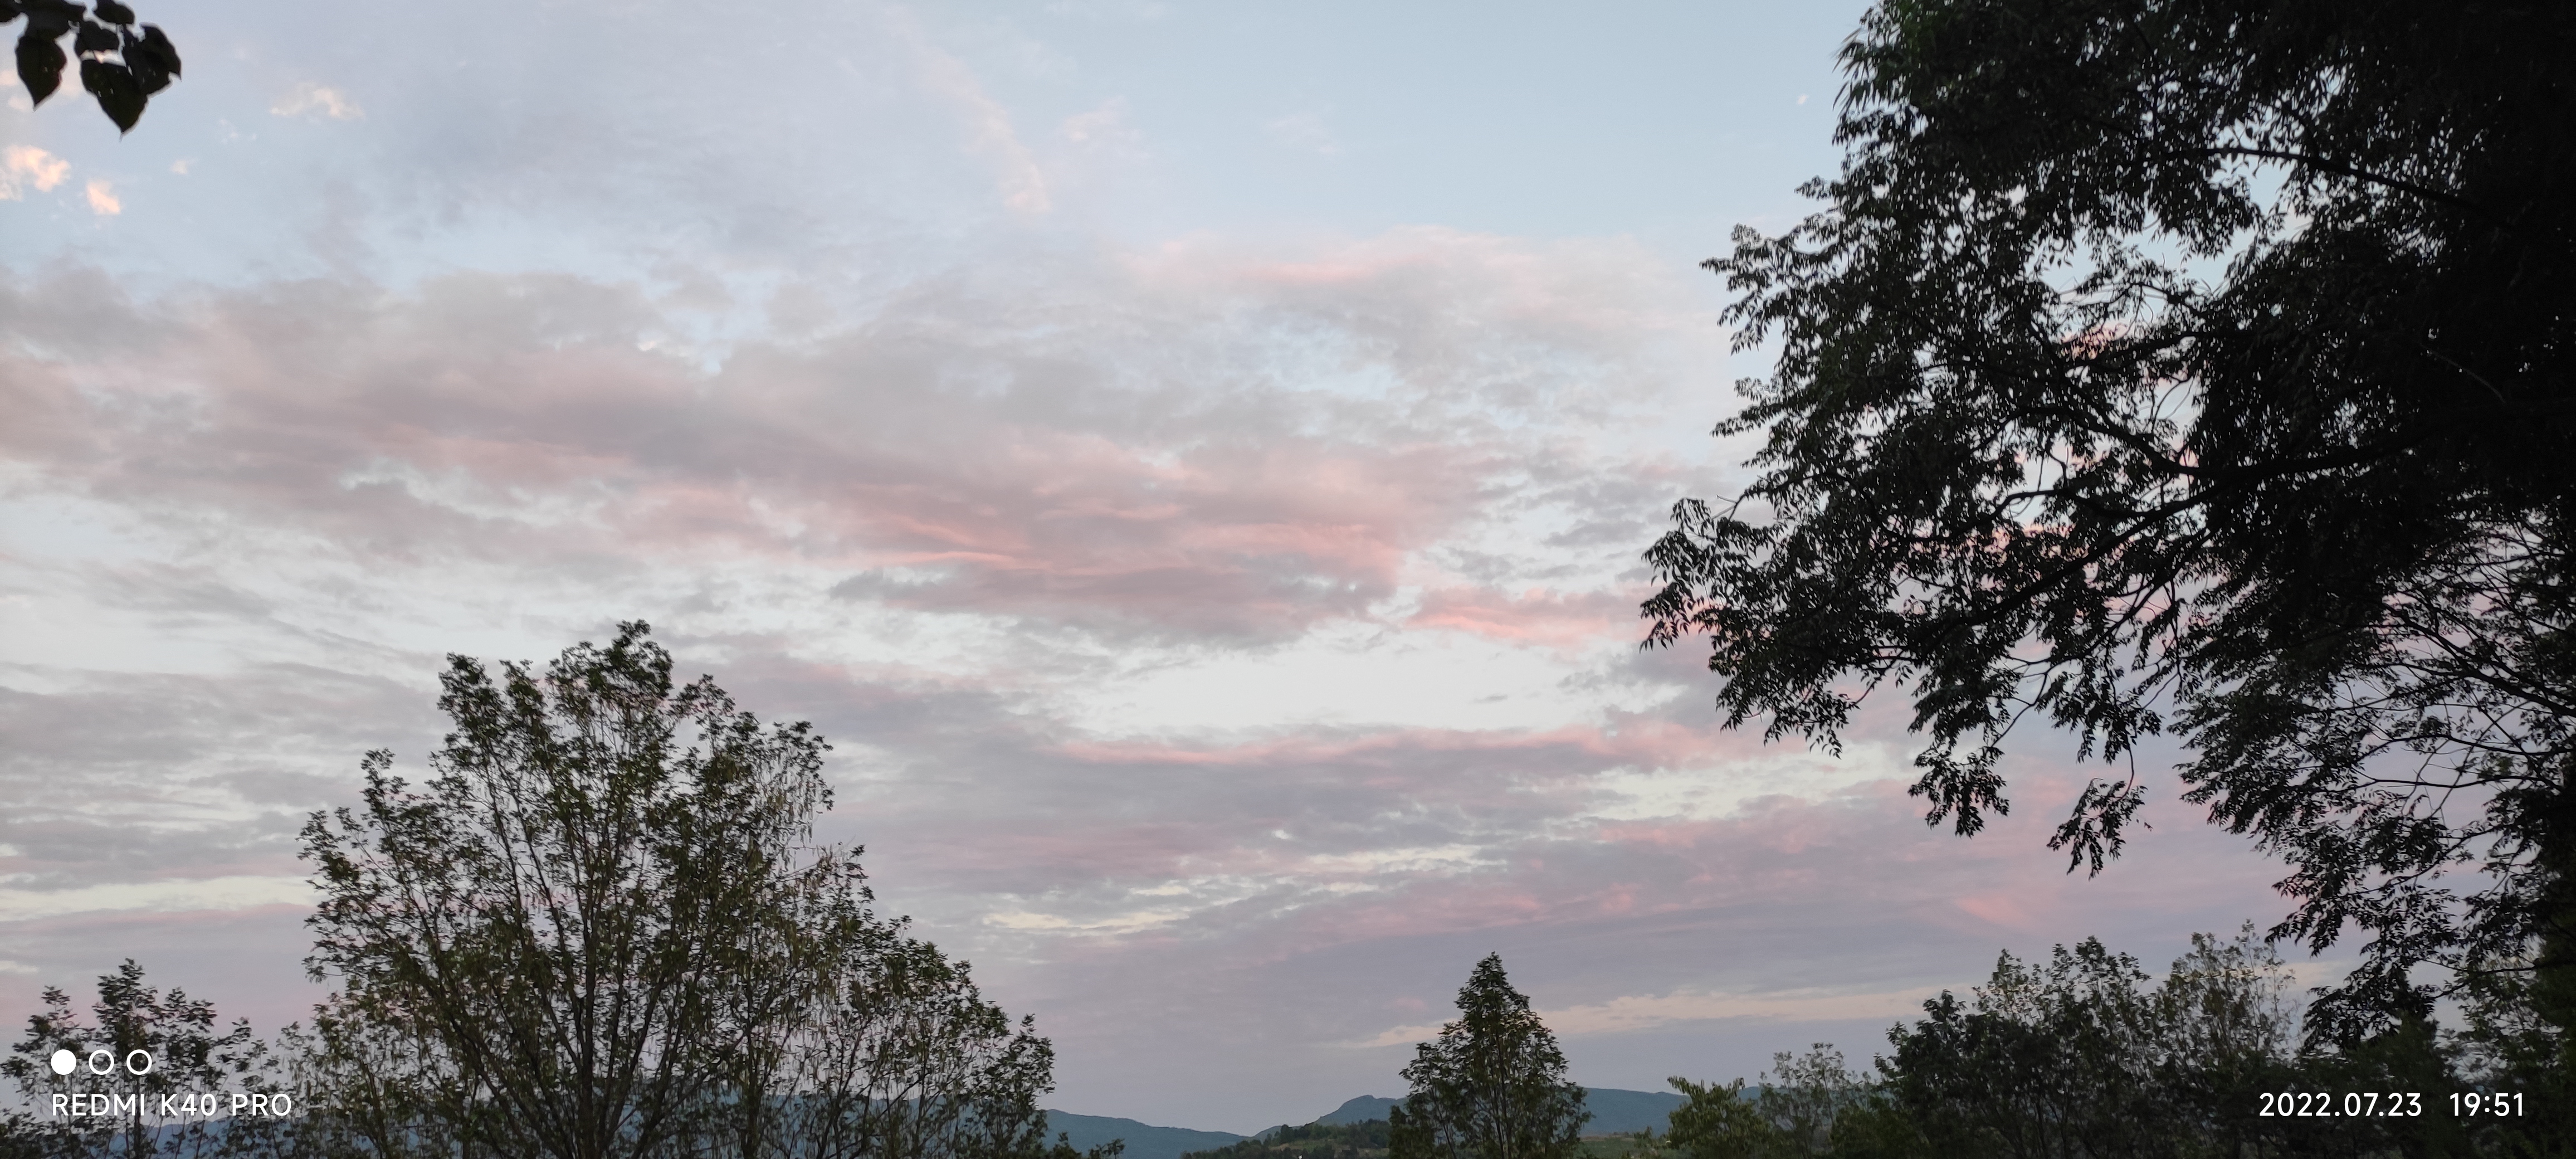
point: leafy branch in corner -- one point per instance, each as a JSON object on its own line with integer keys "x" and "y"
{"x": 121, "y": 63}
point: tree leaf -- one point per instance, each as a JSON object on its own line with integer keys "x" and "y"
{"x": 94, "y": 37}
{"x": 114, "y": 13}
{"x": 154, "y": 47}
{"x": 148, "y": 73}
{"x": 40, "y": 61}
{"x": 118, "y": 94}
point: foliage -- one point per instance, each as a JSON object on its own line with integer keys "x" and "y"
{"x": 601, "y": 929}
{"x": 1625, "y": 1145}
{"x": 2508, "y": 1046}
{"x": 2193, "y": 364}
{"x": 121, "y": 64}
{"x": 907, "y": 1059}
{"x": 1491, "y": 1086}
{"x": 2082, "y": 1057}
{"x": 1810, "y": 1105}
{"x": 1064, "y": 1149}
{"x": 188, "y": 1058}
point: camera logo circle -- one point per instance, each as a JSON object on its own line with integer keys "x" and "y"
{"x": 103, "y": 1062}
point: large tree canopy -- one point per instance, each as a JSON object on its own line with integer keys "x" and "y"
{"x": 2194, "y": 365}
{"x": 602, "y": 929}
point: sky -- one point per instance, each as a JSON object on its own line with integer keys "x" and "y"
{"x": 1191, "y": 460}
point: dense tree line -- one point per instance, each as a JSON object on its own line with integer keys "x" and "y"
{"x": 2087, "y": 1057}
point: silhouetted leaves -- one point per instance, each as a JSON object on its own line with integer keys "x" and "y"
{"x": 2201, "y": 366}
{"x": 40, "y": 60}
{"x": 119, "y": 67}
{"x": 118, "y": 95}
{"x": 153, "y": 58}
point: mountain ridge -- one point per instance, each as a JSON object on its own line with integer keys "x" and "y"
{"x": 1614, "y": 1112}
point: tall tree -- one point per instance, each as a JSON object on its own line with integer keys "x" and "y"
{"x": 1492, "y": 1086}
{"x": 2198, "y": 365}
{"x": 601, "y": 929}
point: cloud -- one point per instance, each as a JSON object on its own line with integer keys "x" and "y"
{"x": 25, "y": 165}
{"x": 1305, "y": 132}
{"x": 244, "y": 523}
{"x": 102, "y": 198}
{"x": 214, "y": 893}
{"x": 314, "y": 99}
{"x": 1103, "y": 127}
{"x": 1534, "y": 616}
{"x": 988, "y": 124}
{"x": 971, "y": 515}
{"x": 1196, "y": 443}
{"x": 1108, "y": 10}
{"x": 1630, "y": 1013}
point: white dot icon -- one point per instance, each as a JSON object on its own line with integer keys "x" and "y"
{"x": 64, "y": 1062}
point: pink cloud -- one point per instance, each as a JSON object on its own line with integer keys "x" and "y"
{"x": 1150, "y": 467}
{"x": 1535, "y": 616}
{"x": 2001, "y": 909}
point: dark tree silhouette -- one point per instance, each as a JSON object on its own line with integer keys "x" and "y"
{"x": 2200, "y": 365}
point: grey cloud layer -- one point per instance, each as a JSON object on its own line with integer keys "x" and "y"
{"x": 1140, "y": 446}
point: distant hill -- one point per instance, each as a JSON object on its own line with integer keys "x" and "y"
{"x": 1618, "y": 1112}
{"x": 1614, "y": 1111}
{"x": 1144, "y": 1140}
{"x": 1317, "y": 1140}
{"x": 1359, "y": 1110}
